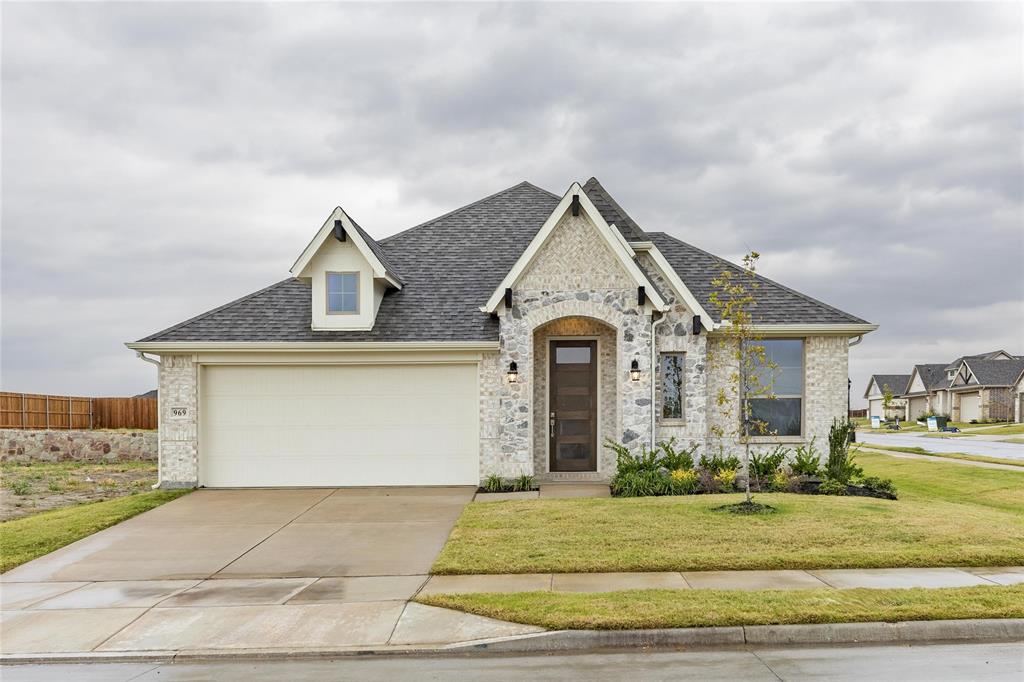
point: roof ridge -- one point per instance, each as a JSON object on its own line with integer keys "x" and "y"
{"x": 761, "y": 277}
{"x": 229, "y": 304}
{"x": 614, "y": 204}
{"x": 463, "y": 208}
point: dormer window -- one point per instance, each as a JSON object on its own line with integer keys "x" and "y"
{"x": 342, "y": 293}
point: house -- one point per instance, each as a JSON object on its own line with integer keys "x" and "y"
{"x": 986, "y": 388}
{"x": 878, "y": 384}
{"x": 510, "y": 336}
{"x": 924, "y": 392}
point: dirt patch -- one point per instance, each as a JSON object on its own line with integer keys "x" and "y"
{"x": 42, "y": 486}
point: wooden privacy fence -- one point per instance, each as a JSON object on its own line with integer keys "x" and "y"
{"x": 34, "y": 411}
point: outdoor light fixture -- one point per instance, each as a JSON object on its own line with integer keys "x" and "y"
{"x": 513, "y": 373}
{"x": 634, "y": 371}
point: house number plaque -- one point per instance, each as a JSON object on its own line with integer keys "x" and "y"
{"x": 179, "y": 413}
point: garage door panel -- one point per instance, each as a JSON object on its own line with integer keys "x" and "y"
{"x": 285, "y": 411}
{"x": 339, "y": 425}
{"x": 970, "y": 406}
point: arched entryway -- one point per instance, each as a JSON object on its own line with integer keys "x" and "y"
{"x": 574, "y": 389}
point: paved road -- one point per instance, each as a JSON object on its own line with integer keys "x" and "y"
{"x": 935, "y": 663}
{"x": 971, "y": 446}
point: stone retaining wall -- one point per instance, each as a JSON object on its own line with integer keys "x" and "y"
{"x": 39, "y": 445}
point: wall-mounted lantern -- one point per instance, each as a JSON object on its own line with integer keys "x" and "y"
{"x": 634, "y": 371}
{"x": 513, "y": 373}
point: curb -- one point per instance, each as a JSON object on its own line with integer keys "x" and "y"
{"x": 736, "y": 637}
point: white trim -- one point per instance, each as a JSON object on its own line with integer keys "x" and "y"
{"x": 681, "y": 289}
{"x": 769, "y": 330}
{"x": 617, "y": 244}
{"x": 326, "y": 232}
{"x": 158, "y": 347}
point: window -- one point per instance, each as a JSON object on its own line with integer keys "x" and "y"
{"x": 779, "y": 388}
{"x": 673, "y": 394}
{"x": 342, "y": 292}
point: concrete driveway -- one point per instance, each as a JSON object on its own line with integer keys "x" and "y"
{"x": 286, "y": 533}
{"x": 246, "y": 569}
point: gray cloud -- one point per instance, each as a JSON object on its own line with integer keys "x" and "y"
{"x": 161, "y": 159}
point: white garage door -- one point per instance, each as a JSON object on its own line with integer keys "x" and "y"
{"x": 329, "y": 425}
{"x": 875, "y": 408}
{"x": 918, "y": 406}
{"x": 970, "y": 406}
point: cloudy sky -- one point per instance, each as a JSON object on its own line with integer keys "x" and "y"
{"x": 159, "y": 160}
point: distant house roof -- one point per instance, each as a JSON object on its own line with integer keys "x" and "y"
{"x": 897, "y": 383}
{"x": 450, "y": 265}
{"x": 932, "y": 375}
{"x": 995, "y": 372}
{"x": 980, "y": 356}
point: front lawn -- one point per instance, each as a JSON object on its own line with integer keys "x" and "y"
{"x": 946, "y": 516}
{"x": 24, "y": 539}
{"x": 1007, "y": 430}
{"x": 643, "y": 609}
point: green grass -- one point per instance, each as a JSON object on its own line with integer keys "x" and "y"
{"x": 22, "y": 540}
{"x": 705, "y": 608}
{"x": 1014, "y": 440}
{"x": 1008, "y": 430}
{"x": 943, "y": 434}
{"x": 948, "y": 455}
{"x": 946, "y": 516}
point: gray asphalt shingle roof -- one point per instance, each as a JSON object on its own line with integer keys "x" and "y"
{"x": 897, "y": 383}
{"x": 932, "y": 375}
{"x": 451, "y": 265}
{"x": 776, "y": 304}
{"x": 378, "y": 251}
{"x": 996, "y": 372}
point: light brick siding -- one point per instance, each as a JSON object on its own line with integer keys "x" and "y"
{"x": 574, "y": 275}
{"x": 179, "y": 444}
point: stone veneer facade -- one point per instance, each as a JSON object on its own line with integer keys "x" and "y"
{"x": 575, "y": 286}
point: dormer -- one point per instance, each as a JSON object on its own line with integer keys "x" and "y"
{"x": 348, "y": 274}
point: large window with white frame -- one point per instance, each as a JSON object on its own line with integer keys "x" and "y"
{"x": 777, "y": 387}
{"x": 673, "y": 386}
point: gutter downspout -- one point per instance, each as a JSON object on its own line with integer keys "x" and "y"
{"x": 849, "y": 384}
{"x": 159, "y": 399}
{"x": 654, "y": 359}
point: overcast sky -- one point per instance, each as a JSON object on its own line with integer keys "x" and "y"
{"x": 159, "y": 160}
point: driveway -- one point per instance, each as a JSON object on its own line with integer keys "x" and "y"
{"x": 283, "y": 533}
{"x": 245, "y": 569}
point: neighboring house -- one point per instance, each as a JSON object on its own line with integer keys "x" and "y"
{"x": 1019, "y": 406}
{"x": 878, "y": 384}
{"x": 510, "y": 336}
{"x": 986, "y": 389}
{"x": 924, "y": 390}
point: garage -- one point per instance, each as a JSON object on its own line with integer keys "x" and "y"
{"x": 917, "y": 406}
{"x": 876, "y": 408}
{"x": 338, "y": 425}
{"x": 970, "y": 406}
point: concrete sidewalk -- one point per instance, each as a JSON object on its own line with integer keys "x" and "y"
{"x": 173, "y": 617}
{"x": 877, "y": 578}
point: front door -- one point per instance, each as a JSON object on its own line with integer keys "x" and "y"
{"x": 572, "y": 405}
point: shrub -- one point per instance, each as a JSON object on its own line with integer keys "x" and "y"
{"x": 21, "y": 487}
{"x": 779, "y": 481}
{"x": 523, "y": 483}
{"x": 882, "y": 485}
{"x": 840, "y": 465}
{"x": 683, "y": 481}
{"x": 493, "y": 484}
{"x": 719, "y": 462}
{"x": 763, "y": 465}
{"x": 673, "y": 459}
{"x": 725, "y": 480}
{"x": 831, "y": 486}
{"x": 806, "y": 461}
{"x": 639, "y": 483}
{"x": 627, "y": 462}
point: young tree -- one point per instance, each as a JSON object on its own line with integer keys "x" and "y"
{"x": 886, "y": 400}
{"x": 751, "y": 371}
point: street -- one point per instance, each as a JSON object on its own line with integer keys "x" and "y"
{"x": 934, "y": 663}
{"x": 971, "y": 446}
